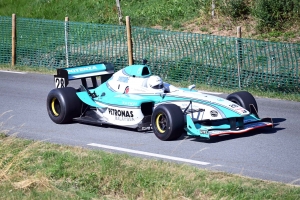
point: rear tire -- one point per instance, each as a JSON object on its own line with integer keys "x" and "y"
{"x": 63, "y": 105}
{"x": 167, "y": 122}
{"x": 244, "y": 99}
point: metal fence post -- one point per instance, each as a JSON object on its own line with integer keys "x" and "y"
{"x": 66, "y": 40}
{"x": 239, "y": 53}
{"x": 129, "y": 41}
{"x": 13, "y": 40}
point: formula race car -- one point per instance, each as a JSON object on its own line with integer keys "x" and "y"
{"x": 133, "y": 97}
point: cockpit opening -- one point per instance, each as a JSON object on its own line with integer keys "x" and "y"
{"x": 145, "y": 71}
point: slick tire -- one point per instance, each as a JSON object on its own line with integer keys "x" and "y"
{"x": 244, "y": 99}
{"x": 63, "y": 105}
{"x": 167, "y": 122}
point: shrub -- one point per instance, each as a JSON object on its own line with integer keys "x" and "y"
{"x": 272, "y": 14}
{"x": 236, "y": 9}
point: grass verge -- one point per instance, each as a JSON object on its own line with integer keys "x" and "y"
{"x": 42, "y": 70}
{"x": 39, "y": 170}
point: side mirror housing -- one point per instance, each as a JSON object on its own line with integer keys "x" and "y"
{"x": 191, "y": 87}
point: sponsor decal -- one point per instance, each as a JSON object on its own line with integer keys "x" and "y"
{"x": 238, "y": 108}
{"x": 129, "y": 103}
{"x": 127, "y": 119}
{"x": 242, "y": 110}
{"x": 82, "y": 69}
{"x": 203, "y": 131}
{"x": 220, "y": 99}
{"x": 120, "y": 113}
{"x": 213, "y": 113}
{"x": 123, "y": 79}
{"x": 126, "y": 90}
{"x": 233, "y": 105}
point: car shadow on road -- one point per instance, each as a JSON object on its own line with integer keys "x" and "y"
{"x": 184, "y": 136}
{"x": 276, "y": 122}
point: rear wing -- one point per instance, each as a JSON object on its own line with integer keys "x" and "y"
{"x": 64, "y": 75}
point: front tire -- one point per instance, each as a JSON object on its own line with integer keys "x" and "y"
{"x": 244, "y": 99}
{"x": 167, "y": 122}
{"x": 63, "y": 105}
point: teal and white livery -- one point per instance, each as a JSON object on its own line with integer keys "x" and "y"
{"x": 134, "y": 97}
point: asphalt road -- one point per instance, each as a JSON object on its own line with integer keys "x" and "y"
{"x": 269, "y": 154}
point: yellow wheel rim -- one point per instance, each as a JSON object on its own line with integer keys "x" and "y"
{"x": 158, "y": 118}
{"x": 53, "y": 107}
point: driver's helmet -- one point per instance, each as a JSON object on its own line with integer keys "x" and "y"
{"x": 155, "y": 82}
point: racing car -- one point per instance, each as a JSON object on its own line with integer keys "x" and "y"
{"x": 133, "y": 97}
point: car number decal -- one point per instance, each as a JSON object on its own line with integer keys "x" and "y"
{"x": 59, "y": 82}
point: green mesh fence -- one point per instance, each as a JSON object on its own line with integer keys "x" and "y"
{"x": 57, "y": 44}
{"x": 5, "y": 40}
{"x": 176, "y": 56}
{"x": 214, "y": 60}
{"x": 40, "y": 43}
{"x": 94, "y": 43}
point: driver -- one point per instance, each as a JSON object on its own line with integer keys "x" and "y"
{"x": 155, "y": 82}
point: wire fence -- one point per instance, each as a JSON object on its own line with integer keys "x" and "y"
{"x": 175, "y": 56}
{"x": 5, "y": 39}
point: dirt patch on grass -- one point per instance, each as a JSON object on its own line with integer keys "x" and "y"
{"x": 221, "y": 26}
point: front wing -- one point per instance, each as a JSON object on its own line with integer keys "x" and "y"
{"x": 234, "y": 126}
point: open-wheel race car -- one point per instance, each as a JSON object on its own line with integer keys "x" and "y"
{"x": 133, "y": 97}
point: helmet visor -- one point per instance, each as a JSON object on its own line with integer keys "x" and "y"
{"x": 160, "y": 86}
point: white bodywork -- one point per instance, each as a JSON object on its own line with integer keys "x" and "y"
{"x": 122, "y": 83}
{"x": 130, "y": 115}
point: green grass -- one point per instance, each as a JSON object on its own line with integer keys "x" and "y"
{"x": 143, "y": 13}
{"x": 163, "y": 13}
{"x": 39, "y": 170}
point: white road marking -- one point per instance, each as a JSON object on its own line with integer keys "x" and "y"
{"x": 14, "y": 72}
{"x": 217, "y": 166}
{"x": 295, "y": 181}
{"x": 149, "y": 154}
